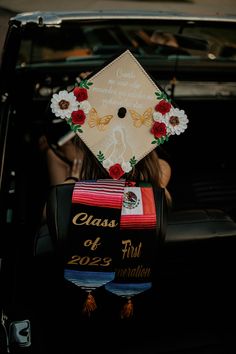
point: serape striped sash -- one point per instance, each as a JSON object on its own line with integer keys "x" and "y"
{"x": 136, "y": 203}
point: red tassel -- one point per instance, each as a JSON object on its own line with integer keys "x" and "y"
{"x": 127, "y": 310}
{"x": 89, "y": 305}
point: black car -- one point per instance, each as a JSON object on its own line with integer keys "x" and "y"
{"x": 193, "y": 58}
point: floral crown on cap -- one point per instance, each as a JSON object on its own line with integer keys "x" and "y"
{"x": 120, "y": 114}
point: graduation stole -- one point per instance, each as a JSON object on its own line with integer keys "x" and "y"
{"x": 112, "y": 240}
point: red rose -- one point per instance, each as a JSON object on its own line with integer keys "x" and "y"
{"x": 115, "y": 171}
{"x": 163, "y": 107}
{"x": 78, "y": 117}
{"x": 81, "y": 94}
{"x": 158, "y": 130}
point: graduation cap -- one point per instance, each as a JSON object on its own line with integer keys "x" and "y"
{"x": 120, "y": 113}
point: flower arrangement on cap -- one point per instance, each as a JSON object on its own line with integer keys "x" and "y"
{"x": 163, "y": 120}
{"x": 168, "y": 120}
{"x": 72, "y": 106}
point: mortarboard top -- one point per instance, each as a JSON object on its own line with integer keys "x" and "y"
{"x": 120, "y": 114}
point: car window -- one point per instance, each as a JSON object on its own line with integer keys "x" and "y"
{"x": 221, "y": 40}
{"x": 91, "y": 41}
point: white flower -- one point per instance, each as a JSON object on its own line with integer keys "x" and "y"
{"x": 85, "y": 106}
{"x": 126, "y": 167}
{"x": 158, "y": 117}
{"x": 176, "y": 121}
{"x": 63, "y": 104}
{"x": 107, "y": 163}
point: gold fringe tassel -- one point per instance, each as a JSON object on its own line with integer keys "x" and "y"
{"x": 127, "y": 310}
{"x": 89, "y": 305}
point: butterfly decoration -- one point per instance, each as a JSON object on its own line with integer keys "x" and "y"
{"x": 100, "y": 122}
{"x": 142, "y": 119}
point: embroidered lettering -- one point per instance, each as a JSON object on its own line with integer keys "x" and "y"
{"x": 92, "y": 244}
{"x": 95, "y": 222}
{"x": 130, "y": 251}
{"x": 104, "y": 223}
{"x": 85, "y": 219}
{"x": 88, "y": 261}
{"x": 112, "y": 223}
{"x": 138, "y": 272}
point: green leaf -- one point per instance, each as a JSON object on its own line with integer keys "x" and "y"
{"x": 158, "y": 94}
{"x": 100, "y": 156}
{"x": 163, "y": 96}
{"x": 82, "y": 83}
{"x": 161, "y": 140}
{"x": 133, "y": 161}
{"x": 85, "y": 84}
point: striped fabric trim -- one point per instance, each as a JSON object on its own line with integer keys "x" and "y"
{"x": 138, "y": 222}
{"x": 102, "y": 193}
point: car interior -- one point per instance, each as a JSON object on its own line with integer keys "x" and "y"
{"x": 194, "y": 62}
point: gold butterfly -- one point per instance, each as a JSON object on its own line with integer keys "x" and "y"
{"x": 141, "y": 119}
{"x": 95, "y": 121}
